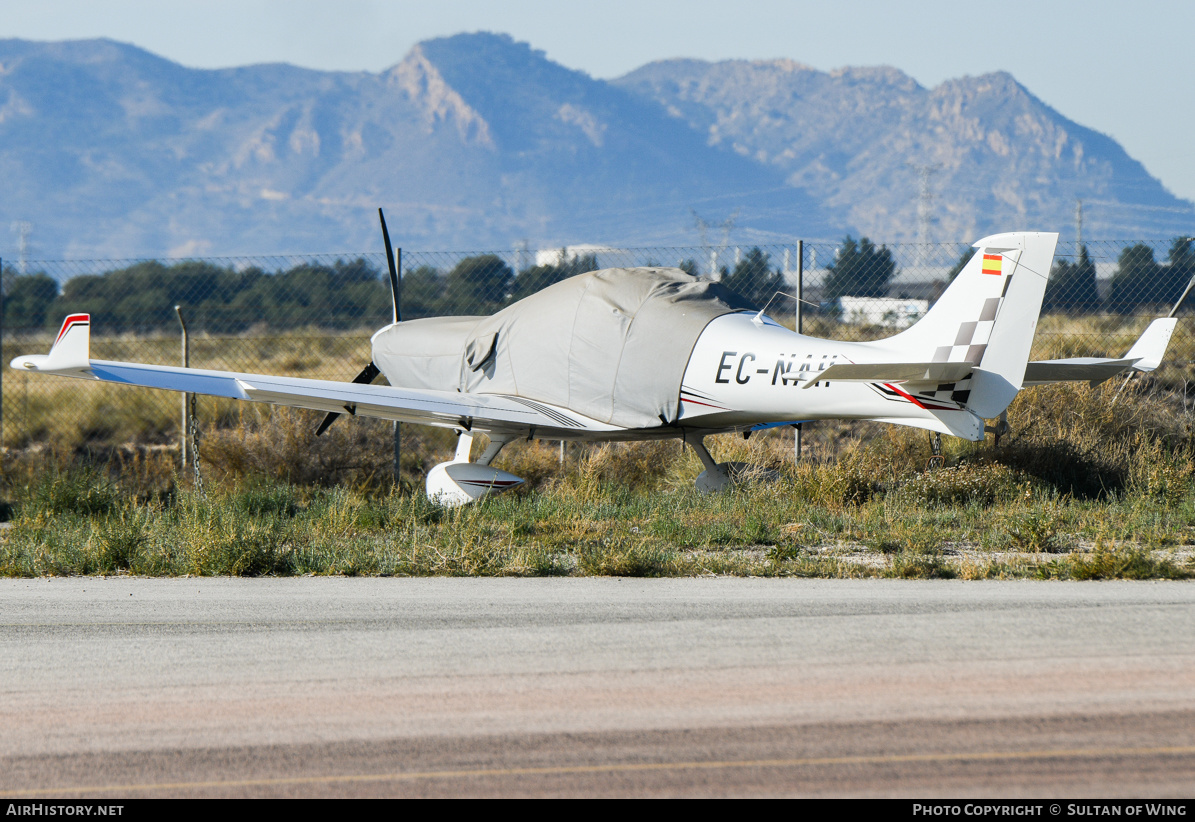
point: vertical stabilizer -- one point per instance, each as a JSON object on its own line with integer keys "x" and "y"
{"x": 986, "y": 318}
{"x": 1001, "y": 370}
{"x": 72, "y": 347}
{"x": 1150, "y": 348}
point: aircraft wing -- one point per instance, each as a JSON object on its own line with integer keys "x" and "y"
{"x": 446, "y": 409}
{"x": 1145, "y": 355}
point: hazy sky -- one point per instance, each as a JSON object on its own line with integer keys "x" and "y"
{"x": 1122, "y": 68}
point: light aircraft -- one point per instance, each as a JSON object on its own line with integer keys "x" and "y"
{"x": 652, "y": 353}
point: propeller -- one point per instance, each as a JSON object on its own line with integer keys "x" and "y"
{"x": 365, "y": 377}
{"x": 395, "y": 282}
{"x": 369, "y": 372}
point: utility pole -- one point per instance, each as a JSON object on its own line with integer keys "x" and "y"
{"x": 23, "y": 230}
{"x": 797, "y": 325}
{"x": 727, "y": 227}
{"x": 1078, "y": 229}
{"x": 397, "y": 425}
{"x": 522, "y": 255}
{"x": 925, "y": 199}
{"x": 703, "y": 228}
{"x": 1, "y": 358}
{"x": 188, "y": 399}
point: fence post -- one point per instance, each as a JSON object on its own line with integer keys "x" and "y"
{"x": 186, "y": 352}
{"x": 397, "y": 424}
{"x": 1, "y": 356}
{"x": 797, "y": 326}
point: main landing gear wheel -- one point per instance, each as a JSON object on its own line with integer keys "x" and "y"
{"x": 459, "y": 482}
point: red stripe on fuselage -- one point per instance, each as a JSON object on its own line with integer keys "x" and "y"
{"x": 706, "y": 404}
{"x": 918, "y": 402}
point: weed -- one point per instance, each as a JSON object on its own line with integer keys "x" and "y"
{"x": 619, "y": 558}
{"x": 910, "y": 565}
{"x": 781, "y": 553}
{"x": 1159, "y": 472}
{"x": 260, "y": 497}
{"x": 1115, "y": 563}
{"x": 83, "y": 493}
{"x": 119, "y": 540}
{"x": 1036, "y": 531}
{"x": 982, "y": 483}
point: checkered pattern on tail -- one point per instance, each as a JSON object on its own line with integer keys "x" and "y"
{"x": 959, "y": 391}
{"x": 972, "y": 338}
{"x": 970, "y": 343}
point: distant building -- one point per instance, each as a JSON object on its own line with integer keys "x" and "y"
{"x": 560, "y": 256}
{"x": 887, "y": 312}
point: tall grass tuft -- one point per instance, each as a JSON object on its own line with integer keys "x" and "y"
{"x": 621, "y": 558}
{"x": 84, "y": 492}
{"x": 1123, "y": 562}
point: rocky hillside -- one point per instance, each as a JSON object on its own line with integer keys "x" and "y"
{"x": 871, "y": 142}
{"x": 478, "y": 142}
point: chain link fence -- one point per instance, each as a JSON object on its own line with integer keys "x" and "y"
{"x": 312, "y": 315}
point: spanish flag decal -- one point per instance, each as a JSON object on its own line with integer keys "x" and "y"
{"x": 992, "y": 264}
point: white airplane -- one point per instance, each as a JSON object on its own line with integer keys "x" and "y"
{"x": 652, "y": 353}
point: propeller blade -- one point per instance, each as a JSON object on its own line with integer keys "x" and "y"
{"x": 395, "y": 283}
{"x": 366, "y": 376}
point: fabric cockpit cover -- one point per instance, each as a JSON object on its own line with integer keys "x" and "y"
{"x": 610, "y": 344}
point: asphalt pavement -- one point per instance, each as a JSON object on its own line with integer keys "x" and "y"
{"x": 607, "y": 687}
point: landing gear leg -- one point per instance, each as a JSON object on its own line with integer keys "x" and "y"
{"x": 496, "y": 444}
{"x": 716, "y": 477}
{"x": 698, "y": 444}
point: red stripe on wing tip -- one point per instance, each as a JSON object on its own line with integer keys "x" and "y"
{"x": 69, "y": 322}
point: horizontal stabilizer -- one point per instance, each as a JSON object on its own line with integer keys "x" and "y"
{"x": 893, "y": 372}
{"x": 1092, "y": 369}
{"x": 1145, "y": 355}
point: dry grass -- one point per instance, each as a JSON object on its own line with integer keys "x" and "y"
{"x": 1092, "y": 483}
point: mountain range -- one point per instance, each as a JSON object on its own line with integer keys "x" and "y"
{"x": 480, "y": 142}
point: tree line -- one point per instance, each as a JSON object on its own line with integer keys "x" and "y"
{"x": 352, "y": 293}
{"x": 1140, "y": 282}
{"x": 342, "y": 295}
